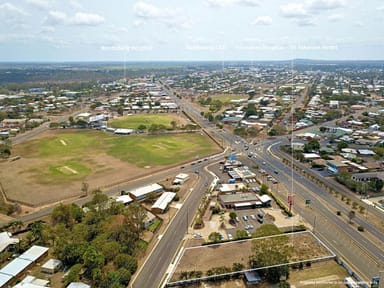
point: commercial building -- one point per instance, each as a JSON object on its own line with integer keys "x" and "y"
{"x": 180, "y": 179}
{"x": 142, "y": 192}
{"x": 125, "y": 199}
{"x": 240, "y": 201}
{"x": 231, "y": 188}
{"x": 162, "y": 203}
{"x": 244, "y": 172}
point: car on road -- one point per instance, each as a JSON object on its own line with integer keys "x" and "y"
{"x": 275, "y": 171}
{"x": 197, "y": 235}
{"x": 264, "y": 163}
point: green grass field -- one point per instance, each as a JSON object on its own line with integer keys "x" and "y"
{"x": 225, "y": 98}
{"x": 159, "y": 150}
{"x": 134, "y": 121}
{"x": 69, "y": 156}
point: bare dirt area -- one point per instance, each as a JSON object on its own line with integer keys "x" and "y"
{"x": 306, "y": 247}
{"x": 24, "y": 188}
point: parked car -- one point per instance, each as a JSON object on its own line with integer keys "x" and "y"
{"x": 253, "y": 216}
{"x": 230, "y": 237}
{"x": 245, "y": 218}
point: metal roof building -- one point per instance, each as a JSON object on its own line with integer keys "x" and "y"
{"x": 162, "y": 203}
{"x": 15, "y": 267}
{"x": 78, "y": 285}
{"x": 4, "y": 279}
{"x": 34, "y": 253}
{"x": 142, "y": 192}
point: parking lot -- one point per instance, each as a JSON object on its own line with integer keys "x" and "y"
{"x": 248, "y": 220}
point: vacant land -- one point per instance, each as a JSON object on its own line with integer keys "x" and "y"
{"x": 134, "y": 121}
{"x": 326, "y": 274}
{"x": 53, "y": 166}
{"x": 306, "y": 247}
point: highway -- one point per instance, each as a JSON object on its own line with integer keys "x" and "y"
{"x": 360, "y": 252}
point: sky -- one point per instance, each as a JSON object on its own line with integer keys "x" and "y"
{"x": 178, "y": 30}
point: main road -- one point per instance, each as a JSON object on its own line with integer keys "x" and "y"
{"x": 364, "y": 254}
{"x": 155, "y": 266}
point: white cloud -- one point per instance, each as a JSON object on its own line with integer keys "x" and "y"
{"x": 87, "y": 19}
{"x": 10, "y": 9}
{"x": 56, "y": 18}
{"x": 304, "y": 12}
{"x": 305, "y": 22}
{"x": 146, "y": 10}
{"x": 318, "y": 5}
{"x": 172, "y": 18}
{"x": 81, "y": 19}
{"x": 380, "y": 8}
{"x": 227, "y": 3}
{"x": 335, "y": 17}
{"x": 294, "y": 10}
{"x": 40, "y": 4}
{"x": 262, "y": 20}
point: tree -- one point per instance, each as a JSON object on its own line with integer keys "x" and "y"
{"x": 136, "y": 216}
{"x": 92, "y": 259}
{"x": 126, "y": 261}
{"x": 142, "y": 127}
{"x": 277, "y": 130}
{"x": 37, "y": 230}
{"x": 151, "y": 197}
{"x": 73, "y": 275}
{"x": 283, "y": 284}
{"x": 376, "y": 185}
{"x": 215, "y": 237}
{"x": 269, "y": 252}
{"x": 120, "y": 110}
{"x": 264, "y": 189}
{"x": 312, "y": 146}
{"x": 241, "y": 234}
{"x": 84, "y": 188}
{"x": 237, "y": 266}
{"x": 341, "y": 145}
{"x": 173, "y": 124}
{"x": 61, "y": 214}
{"x": 232, "y": 215}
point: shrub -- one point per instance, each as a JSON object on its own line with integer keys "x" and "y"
{"x": 360, "y": 228}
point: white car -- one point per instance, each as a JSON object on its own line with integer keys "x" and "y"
{"x": 230, "y": 237}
